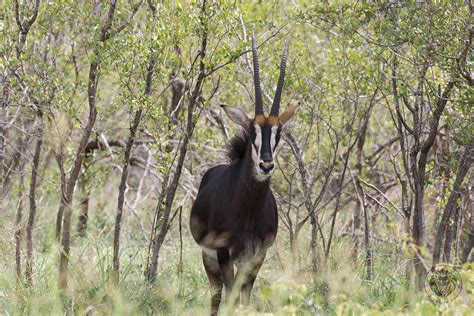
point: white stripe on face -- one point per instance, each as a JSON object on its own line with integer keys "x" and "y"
{"x": 273, "y": 139}
{"x": 256, "y": 154}
{"x": 258, "y": 141}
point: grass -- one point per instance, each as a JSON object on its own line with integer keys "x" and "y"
{"x": 282, "y": 287}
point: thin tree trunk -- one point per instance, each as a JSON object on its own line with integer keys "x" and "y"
{"x": 123, "y": 180}
{"x": 418, "y": 173}
{"x": 360, "y": 202}
{"x": 19, "y": 212}
{"x": 448, "y": 239}
{"x": 105, "y": 34}
{"x": 461, "y": 219}
{"x": 368, "y": 249}
{"x": 309, "y": 204}
{"x": 59, "y": 217}
{"x": 451, "y": 233}
{"x": 32, "y": 198}
{"x": 85, "y": 193}
{"x": 408, "y": 265}
{"x": 19, "y": 215}
{"x": 121, "y": 195}
{"x": 468, "y": 245}
{"x": 314, "y": 243}
{"x": 24, "y": 26}
{"x": 66, "y": 203}
{"x": 468, "y": 229}
{"x": 62, "y": 195}
{"x": 405, "y": 180}
{"x": 83, "y": 210}
{"x": 295, "y": 251}
{"x": 418, "y": 222}
{"x": 171, "y": 192}
{"x": 356, "y": 222}
{"x": 338, "y": 199}
{"x": 451, "y": 205}
{"x": 128, "y": 151}
{"x": 3, "y": 131}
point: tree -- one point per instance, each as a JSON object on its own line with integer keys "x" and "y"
{"x": 105, "y": 33}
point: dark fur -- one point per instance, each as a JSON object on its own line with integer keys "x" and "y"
{"x": 236, "y": 216}
{"x": 237, "y": 145}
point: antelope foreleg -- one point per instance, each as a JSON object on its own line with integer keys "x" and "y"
{"x": 246, "y": 275}
{"x": 215, "y": 279}
{"x": 226, "y": 267}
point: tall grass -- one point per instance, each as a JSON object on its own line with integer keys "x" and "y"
{"x": 283, "y": 286}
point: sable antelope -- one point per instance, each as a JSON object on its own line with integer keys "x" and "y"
{"x": 234, "y": 218}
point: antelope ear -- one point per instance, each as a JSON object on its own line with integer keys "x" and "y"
{"x": 288, "y": 114}
{"x": 236, "y": 115}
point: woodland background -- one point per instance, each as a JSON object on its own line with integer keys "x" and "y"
{"x": 110, "y": 116}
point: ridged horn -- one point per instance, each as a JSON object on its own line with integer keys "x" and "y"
{"x": 276, "y": 101}
{"x": 256, "y": 79}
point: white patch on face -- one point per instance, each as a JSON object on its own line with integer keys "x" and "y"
{"x": 275, "y": 150}
{"x": 259, "y": 175}
{"x": 273, "y": 139}
{"x": 258, "y": 139}
{"x": 258, "y": 144}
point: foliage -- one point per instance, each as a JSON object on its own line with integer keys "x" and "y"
{"x": 344, "y": 59}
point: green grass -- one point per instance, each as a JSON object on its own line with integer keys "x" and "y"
{"x": 282, "y": 287}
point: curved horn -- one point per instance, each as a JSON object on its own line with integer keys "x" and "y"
{"x": 256, "y": 80}
{"x": 281, "y": 79}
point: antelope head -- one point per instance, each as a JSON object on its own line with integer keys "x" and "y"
{"x": 264, "y": 130}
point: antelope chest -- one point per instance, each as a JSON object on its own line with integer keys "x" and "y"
{"x": 242, "y": 245}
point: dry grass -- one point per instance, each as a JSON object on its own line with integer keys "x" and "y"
{"x": 283, "y": 286}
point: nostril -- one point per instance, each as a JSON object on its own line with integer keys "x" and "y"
{"x": 266, "y": 166}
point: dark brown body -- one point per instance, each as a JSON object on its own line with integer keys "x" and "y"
{"x": 235, "y": 220}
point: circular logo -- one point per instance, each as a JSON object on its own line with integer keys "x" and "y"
{"x": 443, "y": 283}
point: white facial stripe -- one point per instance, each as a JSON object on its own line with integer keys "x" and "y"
{"x": 273, "y": 138}
{"x": 256, "y": 154}
{"x": 258, "y": 140}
